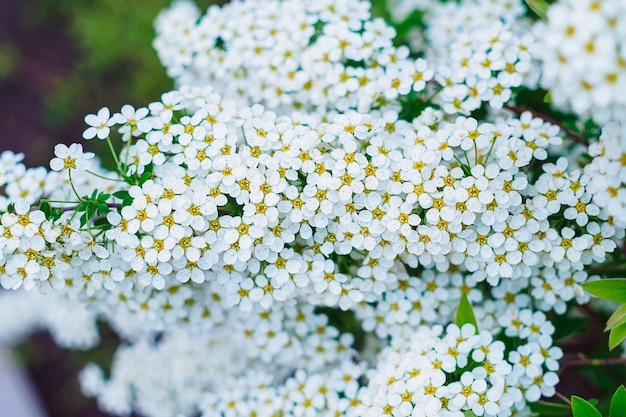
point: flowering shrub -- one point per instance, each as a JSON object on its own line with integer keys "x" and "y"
{"x": 318, "y": 222}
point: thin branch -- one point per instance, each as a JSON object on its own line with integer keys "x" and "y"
{"x": 109, "y": 205}
{"x": 564, "y": 398}
{"x": 583, "y": 360}
{"x": 519, "y": 110}
{"x": 575, "y": 136}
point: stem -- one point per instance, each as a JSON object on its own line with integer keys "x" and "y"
{"x": 105, "y": 178}
{"x": 69, "y": 173}
{"x": 109, "y": 205}
{"x": 493, "y": 142}
{"x": 575, "y": 136}
{"x": 58, "y": 201}
{"x": 117, "y": 161}
{"x": 126, "y": 153}
{"x": 475, "y": 154}
{"x": 458, "y": 160}
{"x": 564, "y": 398}
{"x": 583, "y": 360}
{"x": 467, "y": 159}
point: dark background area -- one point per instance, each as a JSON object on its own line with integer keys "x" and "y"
{"x": 61, "y": 60}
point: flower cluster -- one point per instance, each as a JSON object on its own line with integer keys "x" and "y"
{"x": 420, "y": 377}
{"x": 481, "y": 52}
{"x": 314, "y": 56}
{"x": 292, "y": 229}
{"x": 262, "y": 211}
{"x": 247, "y": 366}
{"x": 583, "y": 56}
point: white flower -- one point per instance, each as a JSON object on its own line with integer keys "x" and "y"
{"x": 70, "y": 158}
{"x": 100, "y": 124}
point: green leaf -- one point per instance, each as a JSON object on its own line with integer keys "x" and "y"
{"x": 582, "y": 408}
{"x": 144, "y": 177}
{"x": 122, "y": 195}
{"x": 465, "y": 314}
{"x": 103, "y": 197}
{"x": 617, "y": 318}
{"x": 548, "y": 97}
{"x": 613, "y": 289}
{"x": 618, "y": 403}
{"x": 47, "y": 210}
{"x": 56, "y": 214}
{"x": 102, "y": 209}
{"x": 540, "y": 7}
{"x": 101, "y": 222}
{"x": 617, "y": 336}
{"x": 84, "y": 219}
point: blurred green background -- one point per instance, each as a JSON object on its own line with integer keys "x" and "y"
{"x": 62, "y": 59}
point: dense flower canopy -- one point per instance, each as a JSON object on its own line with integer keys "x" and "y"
{"x": 295, "y": 228}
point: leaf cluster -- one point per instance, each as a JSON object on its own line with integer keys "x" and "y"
{"x": 613, "y": 290}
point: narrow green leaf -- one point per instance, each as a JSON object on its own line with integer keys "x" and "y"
{"x": 618, "y": 403}
{"x": 617, "y": 318}
{"x": 103, "y": 197}
{"x": 582, "y": 408}
{"x": 101, "y": 222}
{"x": 613, "y": 289}
{"x": 548, "y": 97}
{"x": 465, "y": 314}
{"x": 122, "y": 195}
{"x": 540, "y": 7}
{"x": 91, "y": 210}
{"x": 56, "y": 213}
{"x": 103, "y": 209}
{"x": 144, "y": 177}
{"x": 617, "y": 336}
{"x": 46, "y": 209}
